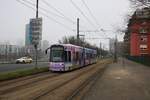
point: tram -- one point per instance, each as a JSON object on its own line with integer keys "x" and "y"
{"x": 66, "y": 57}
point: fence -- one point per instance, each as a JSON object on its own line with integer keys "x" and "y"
{"x": 145, "y": 60}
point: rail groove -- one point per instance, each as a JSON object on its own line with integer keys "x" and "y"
{"x": 4, "y": 83}
{"x": 92, "y": 79}
{"x": 64, "y": 83}
{"x": 25, "y": 84}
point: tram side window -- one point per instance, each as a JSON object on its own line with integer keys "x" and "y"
{"x": 91, "y": 55}
{"x": 74, "y": 57}
{"x": 77, "y": 56}
{"x": 65, "y": 56}
{"x": 69, "y": 56}
{"x": 94, "y": 56}
{"x": 88, "y": 55}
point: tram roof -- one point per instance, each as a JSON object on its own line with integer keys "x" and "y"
{"x": 71, "y": 45}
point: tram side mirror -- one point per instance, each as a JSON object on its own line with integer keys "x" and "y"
{"x": 46, "y": 50}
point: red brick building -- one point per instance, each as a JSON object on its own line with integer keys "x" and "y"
{"x": 137, "y": 37}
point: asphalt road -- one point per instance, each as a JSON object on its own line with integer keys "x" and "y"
{"x": 125, "y": 80}
{"x": 13, "y": 67}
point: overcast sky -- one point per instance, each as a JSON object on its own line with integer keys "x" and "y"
{"x": 110, "y": 14}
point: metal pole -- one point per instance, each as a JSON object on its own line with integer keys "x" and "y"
{"x": 36, "y": 45}
{"x": 77, "y": 31}
{"x": 123, "y": 56}
{"x": 37, "y": 8}
{"x": 115, "y": 44}
{"x": 6, "y": 53}
{"x": 36, "y": 53}
{"x": 100, "y": 50}
{"x": 84, "y": 50}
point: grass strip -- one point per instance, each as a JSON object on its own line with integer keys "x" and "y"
{"x": 21, "y": 73}
{"x": 27, "y": 72}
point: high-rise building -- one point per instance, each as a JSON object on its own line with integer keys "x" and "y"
{"x": 33, "y": 33}
{"x": 45, "y": 45}
{"x": 27, "y": 35}
{"x": 36, "y": 31}
{"x": 28, "y": 41}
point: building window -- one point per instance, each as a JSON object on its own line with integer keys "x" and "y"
{"x": 143, "y": 38}
{"x": 143, "y": 47}
{"x": 143, "y": 30}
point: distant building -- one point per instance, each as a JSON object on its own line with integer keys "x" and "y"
{"x": 137, "y": 36}
{"x": 11, "y": 52}
{"x": 45, "y": 45}
{"x": 120, "y": 48}
{"x": 33, "y": 32}
{"x": 27, "y": 35}
{"x": 28, "y": 41}
{"x": 36, "y": 31}
{"x": 112, "y": 46}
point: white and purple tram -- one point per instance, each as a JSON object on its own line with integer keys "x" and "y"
{"x": 65, "y": 57}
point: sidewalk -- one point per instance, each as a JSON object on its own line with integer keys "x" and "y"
{"x": 129, "y": 82}
{"x": 7, "y": 62}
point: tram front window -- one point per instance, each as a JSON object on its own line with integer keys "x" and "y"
{"x": 57, "y": 54}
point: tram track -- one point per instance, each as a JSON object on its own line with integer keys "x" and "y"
{"x": 46, "y": 88}
{"x": 51, "y": 91}
{"x": 78, "y": 94}
{"x": 57, "y": 87}
{"x": 27, "y": 89}
{"x": 20, "y": 84}
{"x": 7, "y": 82}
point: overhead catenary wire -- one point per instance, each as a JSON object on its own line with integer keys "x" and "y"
{"x": 89, "y": 21}
{"x": 48, "y": 11}
{"x": 90, "y": 12}
{"x": 50, "y": 18}
{"x": 97, "y": 38}
{"x": 60, "y": 13}
{"x": 93, "y": 17}
{"x": 32, "y": 4}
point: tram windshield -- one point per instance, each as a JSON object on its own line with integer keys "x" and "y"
{"x": 57, "y": 54}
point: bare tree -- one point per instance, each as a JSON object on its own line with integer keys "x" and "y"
{"x": 140, "y": 3}
{"x": 73, "y": 40}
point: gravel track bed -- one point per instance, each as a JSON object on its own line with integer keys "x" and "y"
{"x": 51, "y": 91}
{"x": 4, "y": 83}
{"x": 22, "y": 84}
{"x": 47, "y": 87}
{"x": 66, "y": 90}
{"x": 81, "y": 91}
